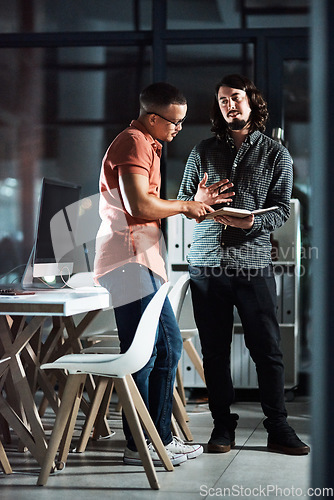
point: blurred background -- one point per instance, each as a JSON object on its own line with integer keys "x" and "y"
{"x": 70, "y": 75}
{"x": 71, "y": 72}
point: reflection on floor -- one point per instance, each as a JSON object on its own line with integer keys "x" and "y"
{"x": 249, "y": 470}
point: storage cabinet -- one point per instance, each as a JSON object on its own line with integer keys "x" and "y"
{"x": 287, "y": 254}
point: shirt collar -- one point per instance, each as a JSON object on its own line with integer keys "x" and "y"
{"x": 253, "y": 136}
{"x": 249, "y": 139}
{"x": 156, "y": 145}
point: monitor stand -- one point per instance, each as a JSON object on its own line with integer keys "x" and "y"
{"x": 27, "y": 278}
{"x": 30, "y": 281}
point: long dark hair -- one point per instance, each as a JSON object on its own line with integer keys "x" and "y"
{"x": 259, "y": 113}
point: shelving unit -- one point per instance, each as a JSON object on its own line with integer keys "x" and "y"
{"x": 287, "y": 274}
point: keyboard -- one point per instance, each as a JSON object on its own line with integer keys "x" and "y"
{"x": 12, "y": 291}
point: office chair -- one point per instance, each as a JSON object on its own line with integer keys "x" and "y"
{"x": 119, "y": 367}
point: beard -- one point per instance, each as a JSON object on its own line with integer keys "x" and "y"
{"x": 237, "y": 124}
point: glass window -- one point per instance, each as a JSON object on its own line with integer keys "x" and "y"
{"x": 131, "y": 15}
{"x": 196, "y": 69}
{"x": 297, "y": 118}
{"x": 222, "y": 14}
{"x": 297, "y": 138}
{"x": 196, "y": 14}
{"x": 60, "y": 109}
{"x": 273, "y": 14}
{"x": 74, "y": 15}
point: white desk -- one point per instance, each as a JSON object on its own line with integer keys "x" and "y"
{"x": 22, "y": 352}
{"x": 63, "y": 302}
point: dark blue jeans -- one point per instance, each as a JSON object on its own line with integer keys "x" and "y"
{"x": 156, "y": 380}
{"x": 215, "y": 291}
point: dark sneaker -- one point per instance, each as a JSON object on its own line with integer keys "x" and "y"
{"x": 282, "y": 438}
{"x": 223, "y": 435}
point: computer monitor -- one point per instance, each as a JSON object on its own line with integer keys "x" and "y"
{"x": 56, "y": 197}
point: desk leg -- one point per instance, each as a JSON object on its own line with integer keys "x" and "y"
{"x": 22, "y": 416}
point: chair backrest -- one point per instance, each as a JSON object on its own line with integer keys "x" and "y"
{"x": 142, "y": 345}
{"x": 119, "y": 365}
{"x": 177, "y": 294}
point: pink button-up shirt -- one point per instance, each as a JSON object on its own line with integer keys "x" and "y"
{"x": 122, "y": 238}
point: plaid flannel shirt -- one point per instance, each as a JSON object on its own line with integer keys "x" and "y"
{"x": 262, "y": 174}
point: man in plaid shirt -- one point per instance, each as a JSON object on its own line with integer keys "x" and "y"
{"x": 230, "y": 258}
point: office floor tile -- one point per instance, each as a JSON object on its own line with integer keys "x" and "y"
{"x": 100, "y": 470}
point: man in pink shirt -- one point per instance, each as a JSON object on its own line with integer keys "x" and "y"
{"x": 129, "y": 262}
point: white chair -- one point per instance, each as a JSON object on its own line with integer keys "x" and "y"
{"x": 177, "y": 296}
{"x": 104, "y": 344}
{"x": 119, "y": 367}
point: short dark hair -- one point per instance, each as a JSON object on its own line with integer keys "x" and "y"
{"x": 259, "y": 112}
{"x": 160, "y": 95}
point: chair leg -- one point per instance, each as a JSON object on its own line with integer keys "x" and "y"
{"x": 130, "y": 412}
{"x": 179, "y": 384}
{"x": 178, "y": 402}
{"x": 148, "y": 424}
{"x": 43, "y": 406}
{"x": 74, "y": 385}
{"x": 65, "y": 443}
{"x": 93, "y": 412}
{"x": 5, "y": 465}
{"x": 194, "y": 357}
{"x": 181, "y": 416}
{"x": 175, "y": 429}
{"x": 101, "y": 420}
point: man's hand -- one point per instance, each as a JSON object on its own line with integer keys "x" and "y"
{"x": 139, "y": 202}
{"x": 216, "y": 193}
{"x": 245, "y": 223}
{"x": 196, "y": 210}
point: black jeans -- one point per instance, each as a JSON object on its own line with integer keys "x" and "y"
{"x": 215, "y": 291}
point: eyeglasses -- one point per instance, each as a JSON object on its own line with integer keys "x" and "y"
{"x": 176, "y": 124}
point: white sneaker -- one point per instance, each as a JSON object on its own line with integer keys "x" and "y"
{"x": 132, "y": 457}
{"x": 190, "y": 450}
